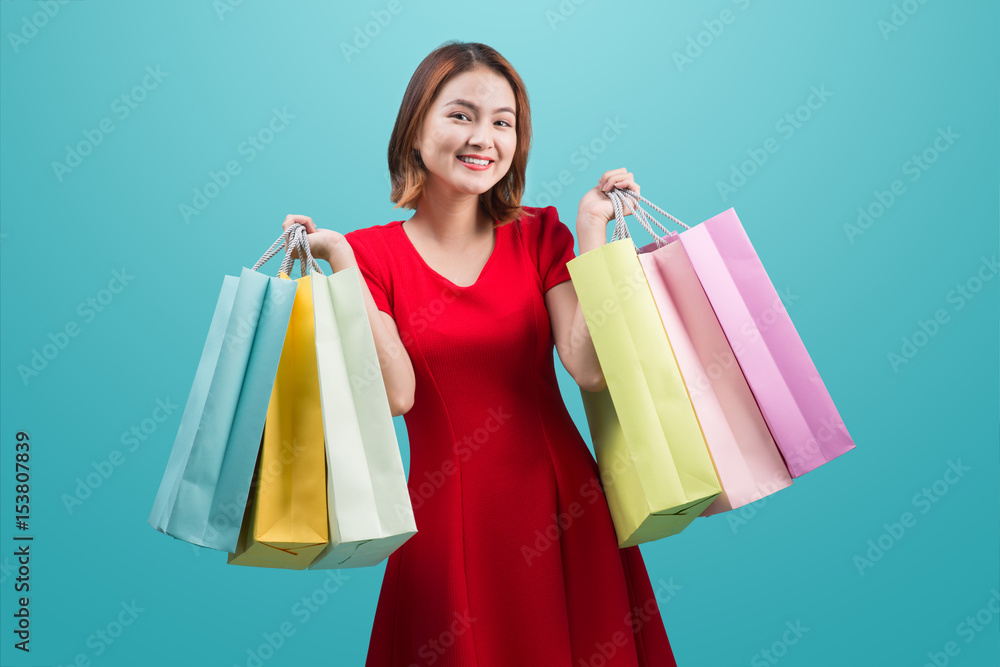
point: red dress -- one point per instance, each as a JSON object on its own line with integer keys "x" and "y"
{"x": 515, "y": 562}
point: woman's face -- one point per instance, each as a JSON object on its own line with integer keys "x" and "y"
{"x": 471, "y": 117}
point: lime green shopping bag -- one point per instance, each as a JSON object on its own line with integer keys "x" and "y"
{"x": 655, "y": 466}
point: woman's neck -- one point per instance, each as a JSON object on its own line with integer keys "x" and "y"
{"x": 452, "y": 221}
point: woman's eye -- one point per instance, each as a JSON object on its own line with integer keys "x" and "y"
{"x": 459, "y": 114}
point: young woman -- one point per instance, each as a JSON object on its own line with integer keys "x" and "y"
{"x": 515, "y": 562}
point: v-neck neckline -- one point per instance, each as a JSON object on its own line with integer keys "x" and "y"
{"x": 482, "y": 272}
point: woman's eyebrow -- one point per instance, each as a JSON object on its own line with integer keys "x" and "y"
{"x": 472, "y": 106}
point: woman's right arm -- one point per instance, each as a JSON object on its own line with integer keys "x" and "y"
{"x": 397, "y": 369}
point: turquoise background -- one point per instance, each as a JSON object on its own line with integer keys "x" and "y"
{"x": 738, "y": 578}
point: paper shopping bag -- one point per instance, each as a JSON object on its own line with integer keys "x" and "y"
{"x": 657, "y": 472}
{"x": 368, "y": 501}
{"x": 287, "y": 524}
{"x": 747, "y": 462}
{"x": 788, "y": 389}
{"x": 205, "y": 486}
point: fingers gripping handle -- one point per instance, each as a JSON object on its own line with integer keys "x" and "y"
{"x": 298, "y": 239}
{"x": 295, "y": 237}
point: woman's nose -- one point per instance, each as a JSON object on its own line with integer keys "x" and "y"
{"x": 481, "y": 136}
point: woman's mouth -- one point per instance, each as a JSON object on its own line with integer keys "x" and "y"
{"x": 476, "y": 164}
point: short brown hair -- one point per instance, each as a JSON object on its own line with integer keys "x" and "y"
{"x": 406, "y": 170}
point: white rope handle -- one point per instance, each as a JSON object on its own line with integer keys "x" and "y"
{"x": 298, "y": 239}
{"x": 619, "y": 196}
{"x": 635, "y": 196}
{"x": 292, "y": 238}
{"x": 644, "y": 218}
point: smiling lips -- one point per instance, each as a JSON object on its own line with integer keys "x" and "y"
{"x": 475, "y": 163}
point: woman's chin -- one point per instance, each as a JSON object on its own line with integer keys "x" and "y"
{"x": 467, "y": 186}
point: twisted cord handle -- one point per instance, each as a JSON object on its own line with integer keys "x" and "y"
{"x": 644, "y": 218}
{"x": 619, "y": 196}
{"x": 621, "y": 229}
{"x": 295, "y": 236}
{"x": 298, "y": 239}
{"x": 635, "y": 196}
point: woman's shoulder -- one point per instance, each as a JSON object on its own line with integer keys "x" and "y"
{"x": 529, "y": 213}
{"x": 534, "y": 218}
{"x": 537, "y": 223}
{"x": 373, "y": 230}
{"x": 378, "y": 236}
{"x": 373, "y": 245}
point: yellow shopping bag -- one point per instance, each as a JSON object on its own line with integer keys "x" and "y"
{"x": 286, "y": 522}
{"x": 655, "y": 466}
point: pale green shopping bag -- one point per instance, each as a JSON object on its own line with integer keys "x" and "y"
{"x": 655, "y": 466}
{"x": 368, "y": 503}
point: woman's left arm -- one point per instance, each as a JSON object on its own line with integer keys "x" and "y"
{"x": 569, "y": 328}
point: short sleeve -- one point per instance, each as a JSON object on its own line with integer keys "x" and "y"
{"x": 371, "y": 267}
{"x": 554, "y": 248}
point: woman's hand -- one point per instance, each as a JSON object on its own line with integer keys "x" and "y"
{"x": 596, "y": 205}
{"x": 322, "y": 242}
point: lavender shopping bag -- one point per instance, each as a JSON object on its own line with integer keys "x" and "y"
{"x": 792, "y": 398}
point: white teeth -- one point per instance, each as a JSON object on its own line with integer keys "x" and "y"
{"x": 473, "y": 160}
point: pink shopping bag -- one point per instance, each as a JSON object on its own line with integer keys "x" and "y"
{"x": 791, "y": 395}
{"x": 747, "y": 461}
